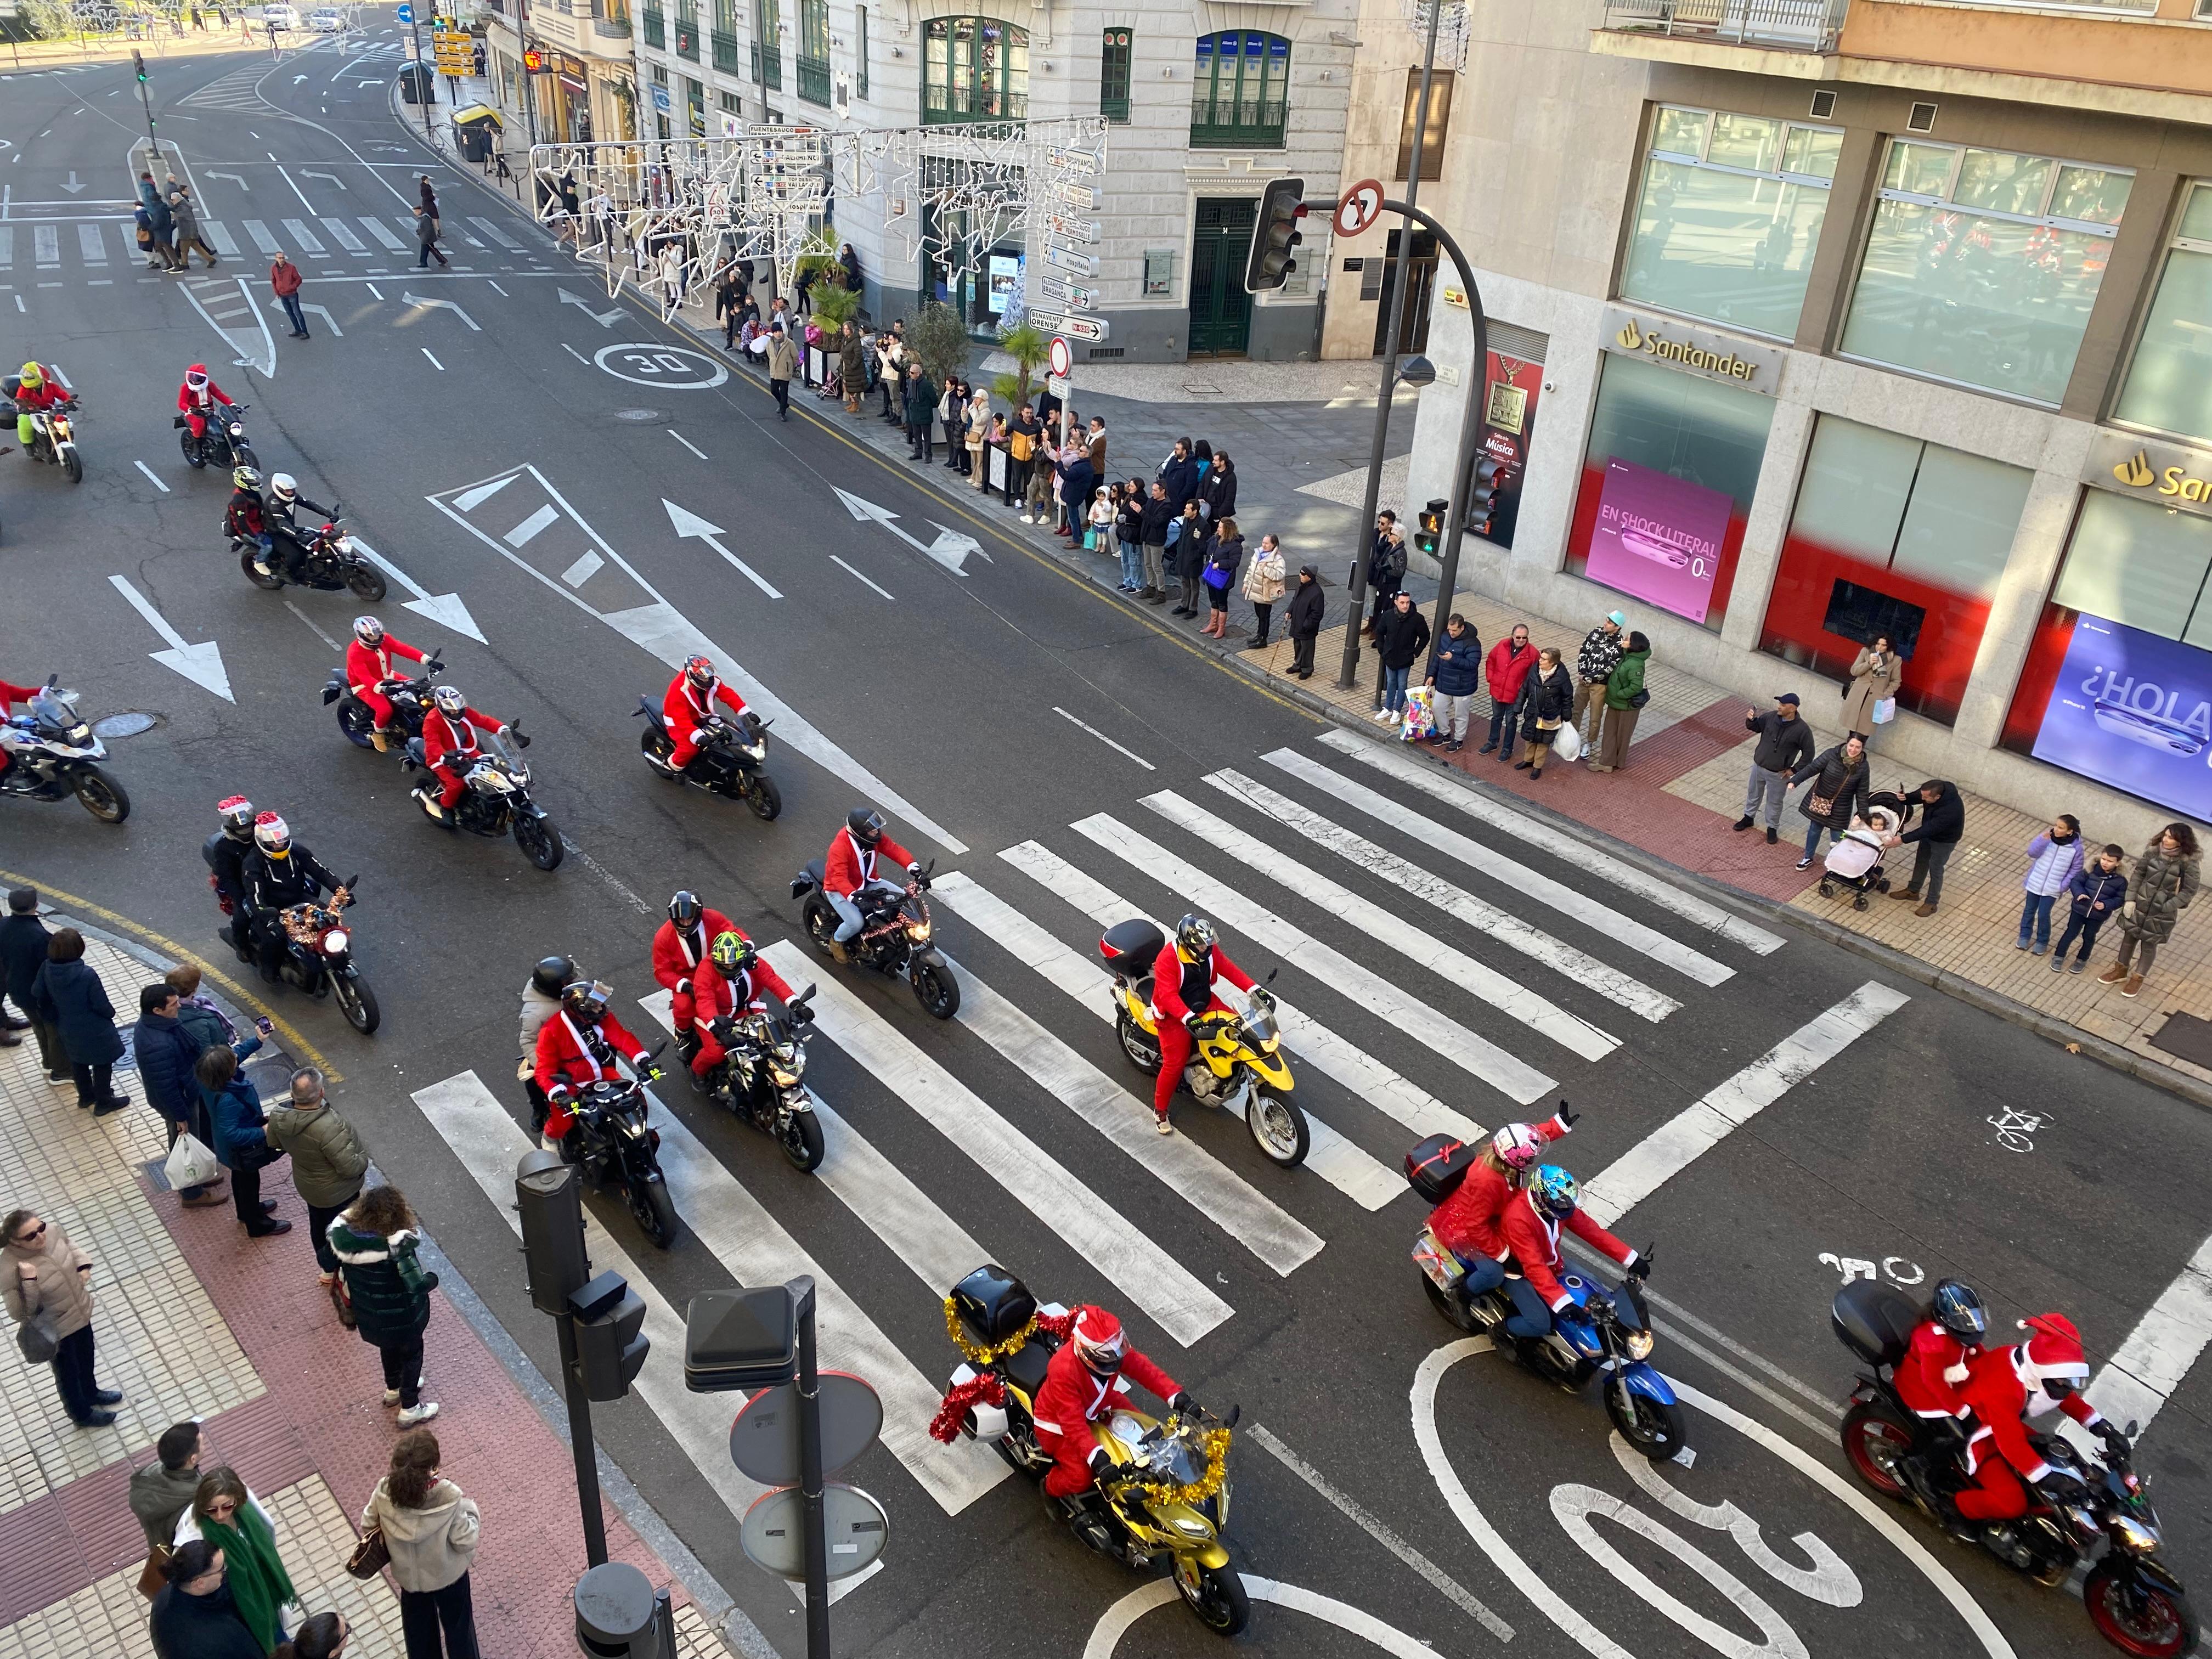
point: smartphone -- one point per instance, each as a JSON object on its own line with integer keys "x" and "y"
{"x": 264, "y": 1024}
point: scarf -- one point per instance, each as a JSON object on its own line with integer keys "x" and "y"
{"x": 257, "y": 1581}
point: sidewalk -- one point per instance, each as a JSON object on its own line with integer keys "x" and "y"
{"x": 193, "y": 1319}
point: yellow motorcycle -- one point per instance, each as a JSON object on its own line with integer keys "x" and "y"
{"x": 1167, "y": 1492}
{"x": 1236, "y": 1060}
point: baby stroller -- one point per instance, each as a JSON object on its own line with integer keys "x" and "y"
{"x": 1854, "y": 863}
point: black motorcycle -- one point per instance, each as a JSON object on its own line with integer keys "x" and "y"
{"x": 317, "y": 956}
{"x": 611, "y": 1142}
{"x": 55, "y": 754}
{"x": 410, "y": 699}
{"x": 761, "y": 1079}
{"x": 894, "y": 938}
{"x": 729, "y": 763}
{"x": 329, "y": 562}
{"x": 222, "y": 441}
{"x": 2131, "y": 1596}
{"x": 495, "y": 799}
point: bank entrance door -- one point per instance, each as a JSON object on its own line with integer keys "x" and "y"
{"x": 1220, "y": 309}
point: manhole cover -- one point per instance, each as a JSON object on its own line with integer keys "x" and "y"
{"x": 123, "y": 726}
{"x": 639, "y": 415}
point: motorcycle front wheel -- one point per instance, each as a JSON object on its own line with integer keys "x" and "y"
{"x": 763, "y": 797}
{"x": 540, "y": 841}
{"x": 801, "y": 1140}
{"x": 1279, "y": 1129}
{"x": 367, "y": 582}
{"x": 1216, "y": 1595}
{"x": 73, "y": 464}
{"x": 358, "y": 1003}
{"x": 936, "y": 989}
{"x": 655, "y": 1211}
{"x": 268, "y": 584}
{"x": 2137, "y": 1615}
{"x": 1651, "y": 1426}
{"x": 100, "y": 795}
{"x": 1875, "y": 1442}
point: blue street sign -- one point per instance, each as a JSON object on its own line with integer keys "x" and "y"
{"x": 407, "y": 13}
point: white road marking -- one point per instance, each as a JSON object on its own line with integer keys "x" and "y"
{"x": 1682, "y": 1139}
{"x": 200, "y": 664}
{"x": 435, "y": 363}
{"x": 20, "y": 305}
{"x": 687, "y": 524}
{"x": 497, "y": 234}
{"x": 344, "y": 233}
{"x": 584, "y": 569}
{"x": 1829, "y": 1581}
{"x": 1106, "y": 1635}
{"x": 522, "y": 533}
{"x": 1081, "y": 726}
{"x": 149, "y": 472}
{"x": 262, "y": 239}
{"x": 303, "y": 238}
{"x": 46, "y": 244}
{"x": 89, "y": 246}
{"x": 504, "y": 295}
{"x": 1134, "y": 1263}
{"x": 406, "y": 298}
{"x": 2145, "y": 1369}
{"x": 296, "y": 190}
{"x": 878, "y": 586}
{"x": 376, "y": 228}
{"x": 315, "y": 628}
{"x": 1664, "y": 894}
{"x": 577, "y": 354}
{"x": 678, "y": 436}
{"x": 219, "y": 236}
{"x": 374, "y": 292}
{"x": 7, "y": 247}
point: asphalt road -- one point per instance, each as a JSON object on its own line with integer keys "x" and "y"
{"x": 1003, "y": 708}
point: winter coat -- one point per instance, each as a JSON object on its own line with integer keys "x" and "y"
{"x": 1506, "y": 670}
{"x": 919, "y": 401}
{"x": 1873, "y": 678}
{"x": 1129, "y": 519}
{"x": 2093, "y": 886}
{"x": 235, "y": 1112}
{"x": 1223, "y": 559}
{"x": 22, "y": 952}
{"x": 1158, "y": 515}
{"x": 1544, "y": 697}
{"x": 1181, "y": 477}
{"x": 205, "y": 1022}
{"x": 156, "y": 210}
{"x": 55, "y": 1279}
{"x": 167, "y": 1054}
{"x": 1263, "y": 582}
{"x": 1600, "y": 651}
{"x": 1785, "y": 742}
{"x": 1842, "y": 782}
{"x": 2051, "y": 865}
{"x": 853, "y": 365}
{"x": 1402, "y": 636}
{"x": 1306, "y": 605}
{"x": 69, "y": 996}
{"x": 201, "y": 1626}
{"x": 285, "y": 277}
{"x": 783, "y": 357}
{"x": 2160, "y": 891}
{"x": 328, "y": 1160}
{"x": 431, "y": 1547}
{"x": 391, "y": 1290}
{"x": 158, "y": 1497}
{"x": 1386, "y": 567}
{"x": 185, "y": 217}
{"x": 1217, "y": 493}
{"x": 1190, "y": 544}
{"x": 1457, "y": 666}
{"x": 1625, "y": 682}
{"x": 426, "y": 229}
{"x": 1945, "y": 821}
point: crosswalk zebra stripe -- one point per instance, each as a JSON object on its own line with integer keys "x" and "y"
{"x": 1135, "y": 1264}
{"x": 344, "y": 233}
{"x": 2145, "y": 1369}
{"x": 46, "y": 244}
{"x": 471, "y": 1121}
{"x": 382, "y": 232}
{"x": 1477, "y": 1056}
{"x": 219, "y": 238}
{"x": 88, "y": 245}
{"x": 1394, "y": 1096}
{"x": 262, "y": 239}
{"x": 127, "y": 233}
{"x": 1185, "y": 1168}
{"x": 1667, "y": 896}
{"x": 1608, "y": 922}
{"x": 1367, "y": 1183}
{"x": 1507, "y": 929}
{"x": 7, "y": 247}
{"x": 1690, "y": 1133}
{"x": 302, "y": 237}
{"x": 497, "y": 234}
{"x": 1537, "y": 1012}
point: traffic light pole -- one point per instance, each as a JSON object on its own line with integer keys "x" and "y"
{"x": 426, "y": 82}
{"x": 579, "y": 1443}
{"x": 1401, "y": 281}
{"x": 146, "y": 102}
{"x": 809, "y": 1473}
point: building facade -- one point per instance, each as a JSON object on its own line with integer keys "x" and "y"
{"x": 586, "y": 90}
{"x": 1819, "y": 320}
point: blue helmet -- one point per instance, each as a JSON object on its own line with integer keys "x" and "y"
{"x": 1554, "y": 1192}
{"x": 1960, "y": 1311}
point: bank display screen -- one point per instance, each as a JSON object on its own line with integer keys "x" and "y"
{"x": 2135, "y": 711}
{"x": 1659, "y": 538}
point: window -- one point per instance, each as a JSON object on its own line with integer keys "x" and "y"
{"x": 814, "y": 51}
{"x": 1728, "y": 217}
{"x": 1239, "y": 92}
{"x": 975, "y": 68}
{"x": 1432, "y": 145}
{"x": 1893, "y": 536}
{"x": 2169, "y": 384}
{"x": 1114, "y": 74}
{"x": 860, "y": 50}
{"x": 724, "y": 36}
{"x": 1983, "y": 265}
{"x": 687, "y": 30}
{"x": 694, "y": 108}
{"x": 656, "y": 35}
{"x": 766, "y": 54}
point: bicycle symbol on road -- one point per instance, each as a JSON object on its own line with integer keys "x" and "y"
{"x": 2013, "y": 1128}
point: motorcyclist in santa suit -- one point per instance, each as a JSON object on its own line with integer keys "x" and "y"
{"x": 687, "y": 707}
{"x": 850, "y": 866}
{"x": 579, "y": 1046}
{"x": 450, "y": 749}
{"x": 1183, "y": 977}
{"x": 1087, "y": 1380}
{"x": 368, "y": 666}
{"x": 2005, "y": 1388}
{"x": 736, "y": 983}
{"x": 680, "y": 944}
{"x": 1468, "y": 1223}
{"x": 198, "y": 399}
{"x": 224, "y": 853}
{"x": 1531, "y": 1226}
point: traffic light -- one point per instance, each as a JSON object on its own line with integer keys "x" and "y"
{"x": 1481, "y": 491}
{"x": 610, "y": 1342}
{"x": 533, "y": 61}
{"x": 138, "y": 63}
{"x": 552, "y": 1212}
{"x": 1430, "y": 536}
{"x": 1281, "y": 206}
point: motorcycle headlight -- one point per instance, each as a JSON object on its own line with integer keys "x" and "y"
{"x": 335, "y": 941}
{"x": 917, "y": 930}
{"x": 784, "y": 1078}
{"x": 1191, "y": 1527}
{"x": 1639, "y": 1345}
{"x": 757, "y": 750}
{"x": 79, "y": 733}
{"x": 344, "y": 543}
{"x": 2137, "y": 1536}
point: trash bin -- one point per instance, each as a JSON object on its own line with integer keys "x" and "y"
{"x": 417, "y": 85}
{"x": 475, "y": 142}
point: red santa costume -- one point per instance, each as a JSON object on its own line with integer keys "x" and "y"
{"x": 1934, "y": 1364}
{"x": 450, "y": 748}
{"x": 9, "y": 696}
{"x": 369, "y": 667}
{"x": 1074, "y": 1396}
{"x": 686, "y": 709}
{"x": 712, "y": 997}
{"x": 2004, "y": 1387}
{"x": 573, "y": 1051}
{"x": 197, "y": 403}
{"x": 677, "y": 955}
{"x": 1467, "y": 1221}
{"x": 1183, "y": 988}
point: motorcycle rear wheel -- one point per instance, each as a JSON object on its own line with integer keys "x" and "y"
{"x": 1279, "y": 1129}
{"x": 1651, "y": 1426}
{"x": 73, "y": 463}
{"x": 358, "y": 1003}
{"x": 763, "y": 797}
{"x": 1139, "y": 1045}
{"x": 802, "y": 1143}
{"x": 656, "y": 746}
{"x": 366, "y": 581}
{"x": 268, "y": 584}
{"x": 356, "y": 722}
{"x": 821, "y": 927}
{"x": 936, "y": 989}
{"x": 101, "y": 796}
{"x": 1216, "y": 1595}
{"x": 540, "y": 841}
{"x": 655, "y": 1211}
{"x": 1874, "y": 1440}
{"x": 2161, "y": 1626}
{"x": 1451, "y": 1307}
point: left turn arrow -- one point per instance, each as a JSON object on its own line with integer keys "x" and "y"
{"x": 200, "y": 664}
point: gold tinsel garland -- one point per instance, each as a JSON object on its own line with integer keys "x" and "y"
{"x": 980, "y": 1353}
{"x": 1197, "y": 1491}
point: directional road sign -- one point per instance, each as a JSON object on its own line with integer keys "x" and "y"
{"x": 407, "y": 13}
{"x": 853, "y": 1523}
{"x": 1091, "y": 329}
{"x": 1073, "y": 296}
{"x": 1083, "y": 264}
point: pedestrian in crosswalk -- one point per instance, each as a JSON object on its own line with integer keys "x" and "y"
{"x": 284, "y": 279}
{"x": 426, "y": 234}
{"x": 185, "y": 217}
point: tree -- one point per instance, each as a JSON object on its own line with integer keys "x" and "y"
{"x": 834, "y": 305}
{"x": 939, "y": 339}
{"x": 1027, "y": 345}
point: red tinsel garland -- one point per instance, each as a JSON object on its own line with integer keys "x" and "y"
{"x": 960, "y": 1398}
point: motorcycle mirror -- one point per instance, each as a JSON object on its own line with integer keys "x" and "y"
{"x": 52, "y": 680}
{"x": 807, "y": 996}
{"x": 352, "y": 882}
{"x": 1230, "y": 1421}
{"x": 655, "y": 1055}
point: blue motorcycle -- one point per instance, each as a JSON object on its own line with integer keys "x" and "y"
{"x": 1604, "y": 1331}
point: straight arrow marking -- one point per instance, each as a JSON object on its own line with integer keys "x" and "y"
{"x": 200, "y": 664}
{"x": 603, "y": 318}
{"x": 444, "y": 608}
{"x": 689, "y": 524}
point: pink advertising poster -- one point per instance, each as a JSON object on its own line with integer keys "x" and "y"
{"x": 1659, "y": 538}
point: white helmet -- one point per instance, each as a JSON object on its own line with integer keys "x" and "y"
{"x": 283, "y": 487}
{"x": 273, "y": 836}
{"x": 1517, "y": 1147}
{"x": 451, "y": 703}
{"x": 368, "y": 631}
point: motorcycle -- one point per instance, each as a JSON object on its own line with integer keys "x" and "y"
{"x": 319, "y": 957}
{"x": 1167, "y": 1492}
{"x": 410, "y": 699}
{"x": 611, "y": 1142}
{"x": 761, "y": 1078}
{"x": 728, "y": 764}
{"x": 2131, "y": 1596}
{"x": 223, "y": 440}
{"x": 53, "y": 435}
{"x": 497, "y": 799}
{"x": 55, "y": 755}
{"x": 1236, "y": 1059}
{"x": 329, "y": 564}
{"x": 894, "y": 936}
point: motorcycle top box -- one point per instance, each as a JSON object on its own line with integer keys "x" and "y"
{"x": 1874, "y": 1322}
{"x": 1436, "y": 1167}
{"x": 993, "y": 1304}
{"x": 1131, "y": 947}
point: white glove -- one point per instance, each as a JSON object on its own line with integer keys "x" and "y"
{"x": 523, "y": 1069}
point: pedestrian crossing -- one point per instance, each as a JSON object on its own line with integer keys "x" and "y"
{"x": 236, "y": 90}
{"x": 57, "y": 247}
{"x": 1438, "y": 981}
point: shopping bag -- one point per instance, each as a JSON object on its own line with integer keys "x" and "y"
{"x": 1885, "y": 711}
{"x": 1568, "y": 745}
{"x": 190, "y": 1163}
{"x": 1420, "y": 721}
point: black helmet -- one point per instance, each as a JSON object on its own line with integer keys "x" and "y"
{"x": 1195, "y": 934}
{"x": 684, "y": 907}
{"x": 586, "y": 997}
{"x": 1959, "y": 1310}
{"x": 866, "y": 825}
{"x": 552, "y": 973}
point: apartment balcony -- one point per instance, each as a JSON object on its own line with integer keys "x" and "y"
{"x": 614, "y": 27}
{"x": 727, "y": 59}
{"x": 1795, "y": 38}
{"x": 768, "y": 66}
{"x": 814, "y": 79}
{"x": 656, "y": 33}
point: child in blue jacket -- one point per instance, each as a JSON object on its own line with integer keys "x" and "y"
{"x": 2097, "y": 891}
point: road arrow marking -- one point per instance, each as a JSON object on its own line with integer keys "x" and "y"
{"x": 406, "y": 298}
{"x": 444, "y": 608}
{"x": 235, "y": 177}
{"x": 603, "y": 318}
{"x": 308, "y": 173}
{"x": 73, "y": 186}
{"x": 950, "y": 548}
{"x": 690, "y": 524}
{"x": 324, "y": 311}
{"x": 297, "y": 79}
{"x": 200, "y": 664}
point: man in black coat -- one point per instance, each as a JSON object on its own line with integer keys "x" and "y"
{"x": 22, "y": 952}
{"x": 195, "y": 1616}
{"x": 1180, "y": 474}
{"x": 1785, "y": 743}
{"x": 1386, "y": 571}
{"x": 168, "y": 1051}
{"x": 1304, "y": 619}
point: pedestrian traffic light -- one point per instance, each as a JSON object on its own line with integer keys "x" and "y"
{"x": 1482, "y": 492}
{"x": 611, "y": 1340}
{"x": 1282, "y": 204}
{"x": 138, "y": 63}
{"x": 1430, "y": 536}
{"x": 552, "y": 1212}
{"x": 533, "y": 61}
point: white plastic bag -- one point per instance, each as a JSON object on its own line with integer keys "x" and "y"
{"x": 1885, "y": 711}
{"x": 1419, "y": 720}
{"x": 190, "y": 1163}
{"x": 1568, "y": 745}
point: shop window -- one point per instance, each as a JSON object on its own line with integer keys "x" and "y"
{"x": 1728, "y": 217}
{"x": 1240, "y": 91}
{"x": 1432, "y": 143}
{"x": 1114, "y": 66}
{"x": 1667, "y": 485}
{"x": 975, "y": 68}
{"x": 2169, "y": 383}
{"x": 1982, "y": 266}
{"x": 1893, "y": 536}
